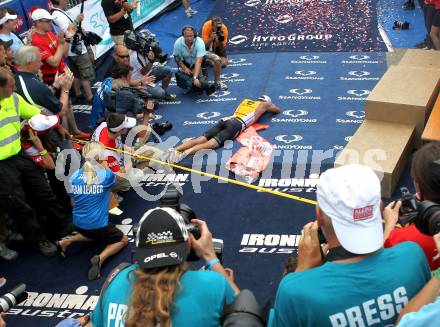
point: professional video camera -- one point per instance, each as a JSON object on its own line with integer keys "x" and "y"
{"x": 16, "y": 295}
{"x": 218, "y": 30}
{"x": 143, "y": 42}
{"x": 424, "y": 214}
{"x": 126, "y": 99}
{"x": 171, "y": 199}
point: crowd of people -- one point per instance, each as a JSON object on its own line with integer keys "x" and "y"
{"x": 367, "y": 271}
{"x": 431, "y": 18}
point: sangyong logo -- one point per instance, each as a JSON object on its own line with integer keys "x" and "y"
{"x": 305, "y": 72}
{"x": 295, "y": 113}
{"x": 236, "y": 60}
{"x": 219, "y": 94}
{"x": 238, "y": 39}
{"x": 208, "y": 115}
{"x": 356, "y": 113}
{"x": 229, "y": 75}
{"x": 309, "y": 57}
{"x": 288, "y": 138}
{"x": 359, "y": 57}
{"x": 359, "y": 93}
{"x": 358, "y": 73}
{"x": 300, "y": 91}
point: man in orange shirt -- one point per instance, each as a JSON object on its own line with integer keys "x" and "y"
{"x": 215, "y": 36}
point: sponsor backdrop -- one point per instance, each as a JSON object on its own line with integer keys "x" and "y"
{"x": 301, "y": 25}
{"x": 321, "y": 97}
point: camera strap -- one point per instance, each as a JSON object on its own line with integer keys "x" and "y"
{"x": 339, "y": 253}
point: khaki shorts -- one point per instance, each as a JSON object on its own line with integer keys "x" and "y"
{"x": 82, "y": 67}
{"x": 210, "y": 58}
{"x": 118, "y": 39}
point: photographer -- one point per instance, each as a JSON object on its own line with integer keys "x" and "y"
{"x": 424, "y": 309}
{"x": 146, "y": 63}
{"x": 78, "y": 58}
{"x": 189, "y": 50}
{"x": 118, "y": 17}
{"x": 426, "y": 178}
{"x": 357, "y": 274}
{"x": 215, "y": 36}
{"x": 162, "y": 288}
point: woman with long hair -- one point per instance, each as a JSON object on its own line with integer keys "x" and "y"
{"x": 90, "y": 191}
{"x": 162, "y": 289}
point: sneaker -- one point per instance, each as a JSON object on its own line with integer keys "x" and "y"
{"x": 94, "y": 271}
{"x": 14, "y": 236}
{"x": 220, "y": 86}
{"x": 188, "y": 13}
{"x": 46, "y": 248}
{"x": 6, "y": 253}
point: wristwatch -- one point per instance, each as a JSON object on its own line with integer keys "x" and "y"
{"x": 195, "y": 78}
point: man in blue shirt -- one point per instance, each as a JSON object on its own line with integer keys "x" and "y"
{"x": 360, "y": 283}
{"x": 189, "y": 52}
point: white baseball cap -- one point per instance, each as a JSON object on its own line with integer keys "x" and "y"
{"x": 40, "y": 13}
{"x": 7, "y": 17}
{"x": 350, "y": 196}
{"x": 128, "y": 122}
{"x": 40, "y": 123}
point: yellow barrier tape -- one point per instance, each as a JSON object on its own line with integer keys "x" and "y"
{"x": 228, "y": 180}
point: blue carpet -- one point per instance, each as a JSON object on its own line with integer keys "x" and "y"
{"x": 321, "y": 96}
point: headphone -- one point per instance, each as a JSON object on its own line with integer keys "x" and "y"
{"x": 186, "y": 27}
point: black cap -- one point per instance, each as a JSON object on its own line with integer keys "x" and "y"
{"x": 161, "y": 239}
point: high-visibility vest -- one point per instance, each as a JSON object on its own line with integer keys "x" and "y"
{"x": 11, "y": 110}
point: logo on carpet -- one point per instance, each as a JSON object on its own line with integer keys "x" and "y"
{"x": 217, "y": 96}
{"x": 252, "y": 3}
{"x": 308, "y": 59}
{"x": 300, "y": 94}
{"x": 269, "y": 243}
{"x": 305, "y": 75}
{"x": 235, "y": 62}
{"x": 357, "y": 95}
{"x": 361, "y": 59}
{"x": 208, "y": 115}
{"x": 298, "y": 116}
{"x": 231, "y": 77}
{"x": 358, "y": 114}
{"x": 288, "y": 138}
{"x": 291, "y": 185}
{"x": 359, "y": 75}
{"x": 300, "y": 91}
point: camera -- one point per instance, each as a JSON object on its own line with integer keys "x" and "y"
{"x": 162, "y": 128}
{"x": 424, "y": 214}
{"x": 76, "y": 44}
{"x": 16, "y": 295}
{"x": 171, "y": 199}
{"x": 409, "y": 5}
{"x": 400, "y": 25}
{"x": 218, "y": 31}
{"x": 143, "y": 42}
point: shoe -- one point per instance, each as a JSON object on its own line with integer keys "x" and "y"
{"x": 94, "y": 271}
{"x": 46, "y": 248}
{"x": 420, "y": 45}
{"x": 220, "y": 86}
{"x": 6, "y": 253}
{"x": 169, "y": 97}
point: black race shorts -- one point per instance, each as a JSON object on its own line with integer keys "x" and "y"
{"x": 224, "y": 130}
{"x": 108, "y": 235}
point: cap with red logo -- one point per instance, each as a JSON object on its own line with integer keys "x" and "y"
{"x": 350, "y": 196}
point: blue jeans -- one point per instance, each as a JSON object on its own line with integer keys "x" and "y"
{"x": 160, "y": 72}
